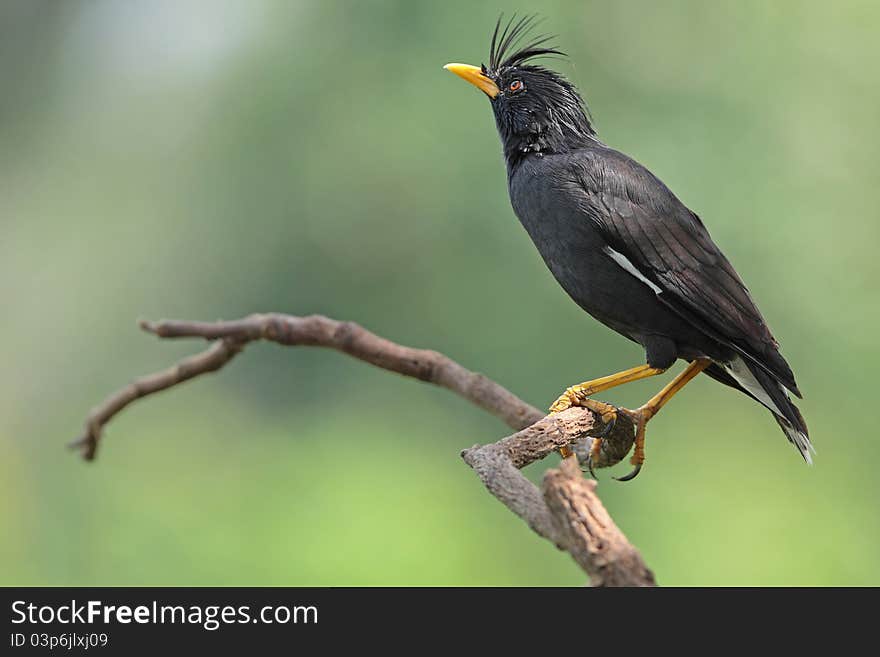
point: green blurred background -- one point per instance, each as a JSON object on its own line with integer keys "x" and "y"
{"x": 212, "y": 159}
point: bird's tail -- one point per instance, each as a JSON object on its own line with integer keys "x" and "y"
{"x": 772, "y": 394}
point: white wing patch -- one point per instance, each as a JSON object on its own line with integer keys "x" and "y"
{"x": 624, "y": 262}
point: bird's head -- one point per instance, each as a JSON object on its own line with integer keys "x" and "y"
{"x": 537, "y": 111}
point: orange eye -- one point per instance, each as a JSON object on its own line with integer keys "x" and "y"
{"x": 516, "y": 85}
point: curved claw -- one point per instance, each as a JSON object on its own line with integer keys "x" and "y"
{"x": 632, "y": 475}
{"x": 589, "y": 465}
{"x": 608, "y": 428}
{"x": 590, "y": 468}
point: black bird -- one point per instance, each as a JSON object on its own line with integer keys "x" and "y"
{"x": 623, "y": 246}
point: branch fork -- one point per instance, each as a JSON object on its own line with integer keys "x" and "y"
{"x": 565, "y": 510}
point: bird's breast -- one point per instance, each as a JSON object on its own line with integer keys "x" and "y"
{"x": 568, "y": 241}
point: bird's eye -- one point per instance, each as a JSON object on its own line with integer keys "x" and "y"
{"x": 515, "y": 86}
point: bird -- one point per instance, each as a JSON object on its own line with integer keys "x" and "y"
{"x": 624, "y": 247}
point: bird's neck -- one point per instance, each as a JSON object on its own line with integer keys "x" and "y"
{"x": 544, "y": 137}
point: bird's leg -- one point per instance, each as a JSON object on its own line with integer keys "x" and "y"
{"x": 579, "y": 394}
{"x": 649, "y": 409}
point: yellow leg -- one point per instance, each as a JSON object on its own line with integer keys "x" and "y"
{"x": 576, "y": 395}
{"x": 650, "y": 408}
{"x": 657, "y": 402}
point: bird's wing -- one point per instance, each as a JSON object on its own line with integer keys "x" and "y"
{"x": 668, "y": 245}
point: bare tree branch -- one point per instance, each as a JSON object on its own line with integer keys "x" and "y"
{"x": 567, "y": 510}
{"x": 587, "y": 531}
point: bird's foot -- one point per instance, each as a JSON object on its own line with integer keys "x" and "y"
{"x": 607, "y": 413}
{"x": 572, "y": 396}
{"x": 640, "y": 418}
{"x": 575, "y": 396}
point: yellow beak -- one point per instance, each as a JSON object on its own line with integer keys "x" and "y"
{"x": 474, "y": 75}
